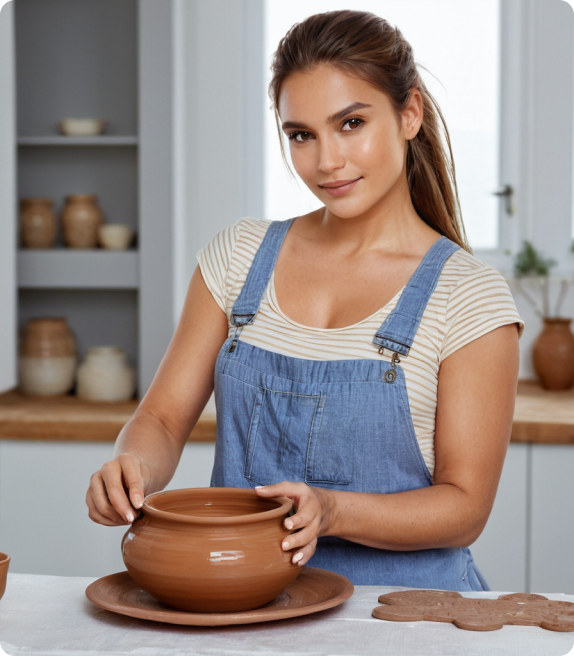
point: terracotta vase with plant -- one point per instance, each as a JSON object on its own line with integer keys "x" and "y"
{"x": 553, "y": 350}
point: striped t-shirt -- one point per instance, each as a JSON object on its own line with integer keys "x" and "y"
{"x": 471, "y": 298}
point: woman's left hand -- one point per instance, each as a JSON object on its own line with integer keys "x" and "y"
{"x": 314, "y": 508}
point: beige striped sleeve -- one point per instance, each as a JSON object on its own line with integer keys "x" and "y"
{"x": 479, "y": 303}
{"x": 214, "y": 260}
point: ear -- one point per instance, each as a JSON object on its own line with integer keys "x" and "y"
{"x": 413, "y": 114}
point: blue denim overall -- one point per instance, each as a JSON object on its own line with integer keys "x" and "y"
{"x": 337, "y": 424}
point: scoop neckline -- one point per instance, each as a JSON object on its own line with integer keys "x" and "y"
{"x": 275, "y": 305}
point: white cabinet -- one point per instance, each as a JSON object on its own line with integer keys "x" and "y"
{"x": 43, "y": 516}
{"x": 501, "y": 551}
{"x": 552, "y": 519}
{"x": 7, "y": 201}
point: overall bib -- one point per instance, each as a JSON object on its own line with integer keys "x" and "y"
{"x": 337, "y": 424}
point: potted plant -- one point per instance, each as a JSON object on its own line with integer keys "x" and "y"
{"x": 553, "y": 350}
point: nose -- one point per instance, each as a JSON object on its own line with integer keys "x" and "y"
{"x": 331, "y": 156}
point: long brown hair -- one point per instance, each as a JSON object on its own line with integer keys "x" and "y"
{"x": 368, "y": 47}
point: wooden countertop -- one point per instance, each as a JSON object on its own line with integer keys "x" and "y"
{"x": 540, "y": 417}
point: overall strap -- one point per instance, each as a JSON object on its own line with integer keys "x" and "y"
{"x": 247, "y": 304}
{"x": 399, "y": 328}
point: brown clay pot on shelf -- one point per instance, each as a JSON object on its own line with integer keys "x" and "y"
{"x": 47, "y": 359}
{"x": 81, "y": 218}
{"x": 210, "y": 550}
{"x": 553, "y": 354}
{"x": 37, "y": 223}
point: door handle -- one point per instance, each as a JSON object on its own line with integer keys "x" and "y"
{"x": 508, "y": 193}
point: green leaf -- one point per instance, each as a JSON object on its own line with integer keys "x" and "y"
{"x": 529, "y": 262}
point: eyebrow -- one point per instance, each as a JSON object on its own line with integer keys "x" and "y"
{"x": 335, "y": 117}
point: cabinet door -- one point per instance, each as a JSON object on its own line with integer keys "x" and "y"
{"x": 552, "y": 527}
{"x": 7, "y": 200}
{"x": 501, "y": 551}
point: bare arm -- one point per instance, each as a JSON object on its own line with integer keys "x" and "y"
{"x": 149, "y": 446}
{"x": 476, "y": 395}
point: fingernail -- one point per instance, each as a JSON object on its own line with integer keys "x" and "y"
{"x": 297, "y": 557}
{"x": 289, "y": 523}
{"x": 259, "y": 487}
{"x": 138, "y": 500}
{"x": 285, "y": 545}
{"x": 130, "y": 517}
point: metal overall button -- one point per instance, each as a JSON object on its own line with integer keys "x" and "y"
{"x": 391, "y": 374}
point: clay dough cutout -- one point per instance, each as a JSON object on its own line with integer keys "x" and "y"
{"x": 476, "y": 614}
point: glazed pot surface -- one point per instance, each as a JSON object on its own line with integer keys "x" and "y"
{"x": 210, "y": 549}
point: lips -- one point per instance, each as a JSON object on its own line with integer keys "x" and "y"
{"x": 339, "y": 187}
{"x": 337, "y": 183}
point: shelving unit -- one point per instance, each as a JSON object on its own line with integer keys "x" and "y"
{"x": 109, "y": 59}
{"x": 101, "y": 140}
{"x": 64, "y": 268}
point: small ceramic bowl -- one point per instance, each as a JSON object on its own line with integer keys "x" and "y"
{"x": 210, "y": 550}
{"x": 115, "y": 236}
{"x": 82, "y": 126}
{"x": 4, "y": 562}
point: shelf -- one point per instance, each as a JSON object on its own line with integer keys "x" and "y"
{"x": 68, "y": 418}
{"x": 64, "y": 268}
{"x": 62, "y": 140}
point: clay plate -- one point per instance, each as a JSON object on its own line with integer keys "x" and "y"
{"x": 313, "y": 590}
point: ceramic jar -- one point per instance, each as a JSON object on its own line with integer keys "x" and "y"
{"x": 105, "y": 375}
{"x": 47, "y": 359}
{"x": 37, "y": 223}
{"x": 4, "y": 563}
{"x": 210, "y": 550}
{"x": 81, "y": 218}
{"x": 553, "y": 354}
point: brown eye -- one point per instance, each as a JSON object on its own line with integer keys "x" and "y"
{"x": 294, "y": 136}
{"x": 353, "y": 123}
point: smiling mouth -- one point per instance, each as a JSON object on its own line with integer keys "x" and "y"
{"x": 337, "y": 184}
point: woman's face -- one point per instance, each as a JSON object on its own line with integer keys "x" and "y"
{"x": 342, "y": 129}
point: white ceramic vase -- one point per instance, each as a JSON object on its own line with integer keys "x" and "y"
{"x": 42, "y": 376}
{"x": 105, "y": 375}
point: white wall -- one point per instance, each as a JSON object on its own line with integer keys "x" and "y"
{"x": 7, "y": 201}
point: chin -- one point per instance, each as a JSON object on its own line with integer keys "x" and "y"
{"x": 347, "y": 210}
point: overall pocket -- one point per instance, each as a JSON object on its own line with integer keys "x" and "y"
{"x": 282, "y": 441}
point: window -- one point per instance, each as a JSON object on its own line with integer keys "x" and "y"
{"x": 458, "y": 42}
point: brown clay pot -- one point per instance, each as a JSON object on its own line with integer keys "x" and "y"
{"x": 49, "y": 337}
{"x": 4, "y": 563}
{"x": 37, "y": 223}
{"x": 553, "y": 354}
{"x": 81, "y": 218}
{"x": 210, "y": 550}
{"x": 47, "y": 359}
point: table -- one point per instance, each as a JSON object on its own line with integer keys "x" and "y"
{"x": 50, "y": 616}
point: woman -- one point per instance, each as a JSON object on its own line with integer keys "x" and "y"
{"x": 388, "y": 432}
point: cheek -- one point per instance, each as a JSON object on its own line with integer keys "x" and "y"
{"x": 303, "y": 160}
{"x": 378, "y": 155}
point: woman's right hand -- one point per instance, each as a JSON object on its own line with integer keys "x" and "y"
{"x": 117, "y": 490}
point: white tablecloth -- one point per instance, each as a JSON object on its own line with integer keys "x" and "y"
{"x": 50, "y": 615}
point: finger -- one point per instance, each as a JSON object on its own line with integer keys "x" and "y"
{"x": 301, "y": 538}
{"x": 307, "y": 511}
{"x": 97, "y": 493}
{"x": 96, "y": 516}
{"x": 304, "y": 554}
{"x": 132, "y": 476}
{"x": 284, "y": 489}
{"x": 113, "y": 482}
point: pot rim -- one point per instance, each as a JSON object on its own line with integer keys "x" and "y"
{"x": 285, "y": 505}
{"x": 4, "y": 558}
